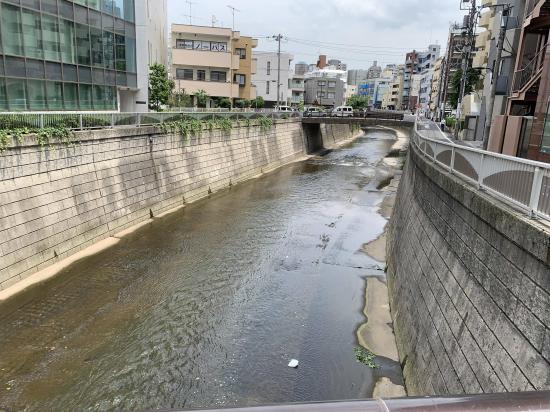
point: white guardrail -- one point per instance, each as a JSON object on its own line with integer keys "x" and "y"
{"x": 97, "y": 120}
{"x": 523, "y": 183}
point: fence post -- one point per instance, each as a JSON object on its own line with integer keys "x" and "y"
{"x": 112, "y": 120}
{"x": 41, "y": 120}
{"x": 138, "y": 119}
{"x": 535, "y": 190}
{"x": 81, "y": 121}
{"x": 452, "y": 159}
{"x": 480, "y": 174}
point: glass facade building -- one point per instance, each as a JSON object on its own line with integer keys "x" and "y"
{"x": 66, "y": 55}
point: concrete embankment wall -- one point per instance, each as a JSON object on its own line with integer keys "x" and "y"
{"x": 57, "y": 200}
{"x": 469, "y": 286}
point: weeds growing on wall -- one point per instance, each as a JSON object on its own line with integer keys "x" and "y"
{"x": 265, "y": 123}
{"x": 43, "y": 135}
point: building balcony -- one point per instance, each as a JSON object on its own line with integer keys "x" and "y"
{"x": 254, "y": 43}
{"x": 480, "y": 59}
{"x": 486, "y": 19}
{"x": 218, "y": 89}
{"x": 199, "y": 58}
{"x": 482, "y": 39}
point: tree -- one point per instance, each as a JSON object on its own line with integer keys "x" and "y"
{"x": 243, "y": 103}
{"x": 358, "y": 102}
{"x": 160, "y": 86}
{"x": 179, "y": 98}
{"x": 258, "y": 102}
{"x": 202, "y": 97}
{"x": 223, "y": 102}
{"x": 471, "y": 82}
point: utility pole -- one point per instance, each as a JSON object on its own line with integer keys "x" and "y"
{"x": 494, "y": 75}
{"x": 214, "y": 21}
{"x": 233, "y": 10}
{"x": 278, "y": 38}
{"x": 466, "y": 53}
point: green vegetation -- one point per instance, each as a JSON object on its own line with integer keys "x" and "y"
{"x": 257, "y": 103}
{"x": 179, "y": 98}
{"x": 358, "y": 102}
{"x": 365, "y": 357}
{"x": 265, "y": 123}
{"x": 202, "y": 98}
{"x": 44, "y": 135}
{"x": 472, "y": 81}
{"x": 160, "y": 87}
{"x": 450, "y": 122}
{"x": 243, "y": 103}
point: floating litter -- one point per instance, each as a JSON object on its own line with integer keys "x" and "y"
{"x": 293, "y": 363}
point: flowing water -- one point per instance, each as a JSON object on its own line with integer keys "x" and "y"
{"x": 206, "y": 306}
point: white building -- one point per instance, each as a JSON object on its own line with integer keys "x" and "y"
{"x": 151, "y": 48}
{"x": 265, "y": 78}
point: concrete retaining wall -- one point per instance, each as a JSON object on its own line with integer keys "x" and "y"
{"x": 469, "y": 285}
{"x": 57, "y": 200}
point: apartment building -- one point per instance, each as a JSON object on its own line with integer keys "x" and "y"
{"x": 79, "y": 55}
{"x": 326, "y": 87}
{"x": 436, "y": 108}
{"x": 356, "y": 77}
{"x": 215, "y": 60}
{"x": 296, "y": 89}
{"x": 417, "y": 62}
{"x": 267, "y": 74}
{"x": 374, "y": 90}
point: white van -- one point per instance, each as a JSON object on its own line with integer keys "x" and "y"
{"x": 343, "y": 111}
{"x": 284, "y": 109}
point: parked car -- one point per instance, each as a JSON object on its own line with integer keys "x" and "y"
{"x": 284, "y": 109}
{"x": 313, "y": 112}
{"x": 343, "y": 111}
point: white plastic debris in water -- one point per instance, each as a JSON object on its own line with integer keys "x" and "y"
{"x": 293, "y": 363}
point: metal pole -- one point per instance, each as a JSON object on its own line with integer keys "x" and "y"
{"x": 279, "y": 37}
{"x": 494, "y": 77}
{"x": 465, "y": 63}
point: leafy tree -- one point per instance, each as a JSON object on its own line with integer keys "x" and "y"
{"x": 243, "y": 103}
{"x": 301, "y": 106}
{"x": 223, "y": 102}
{"x": 471, "y": 81}
{"x": 258, "y": 102}
{"x": 179, "y": 98}
{"x": 358, "y": 102}
{"x": 202, "y": 97}
{"x": 160, "y": 86}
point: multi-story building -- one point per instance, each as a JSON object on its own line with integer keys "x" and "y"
{"x": 425, "y": 91}
{"x": 79, "y": 55}
{"x": 296, "y": 89}
{"x": 337, "y": 64}
{"x": 524, "y": 130}
{"x": 396, "y": 91}
{"x": 453, "y": 62}
{"x": 215, "y": 60}
{"x": 417, "y": 62}
{"x": 301, "y": 68}
{"x": 374, "y": 90}
{"x": 266, "y": 76}
{"x": 435, "y": 95}
{"x": 356, "y": 77}
{"x": 325, "y": 87}
{"x": 375, "y": 71}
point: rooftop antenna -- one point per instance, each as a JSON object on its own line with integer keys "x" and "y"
{"x": 214, "y": 21}
{"x": 190, "y": 10}
{"x": 233, "y": 10}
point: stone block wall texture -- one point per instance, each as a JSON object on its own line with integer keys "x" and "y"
{"x": 469, "y": 286}
{"x": 57, "y": 200}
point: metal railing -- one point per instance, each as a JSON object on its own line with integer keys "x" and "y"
{"x": 105, "y": 120}
{"x": 499, "y": 402}
{"x": 525, "y": 75}
{"x": 520, "y": 182}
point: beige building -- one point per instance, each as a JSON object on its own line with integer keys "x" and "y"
{"x": 216, "y": 60}
{"x": 435, "y": 99}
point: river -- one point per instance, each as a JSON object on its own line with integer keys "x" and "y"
{"x": 205, "y": 307}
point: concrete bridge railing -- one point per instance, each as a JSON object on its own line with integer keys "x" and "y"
{"x": 523, "y": 183}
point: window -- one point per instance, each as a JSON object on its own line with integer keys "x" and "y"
{"x": 321, "y": 83}
{"x": 66, "y": 32}
{"x": 108, "y": 50}
{"x": 205, "y": 46}
{"x": 241, "y": 52}
{"x": 321, "y": 94}
{"x": 36, "y": 94}
{"x": 32, "y": 35}
{"x": 11, "y": 30}
{"x": 3, "y": 96}
{"x": 201, "y": 75}
{"x": 83, "y": 44}
{"x": 267, "y": 87}
{"x": 331, "y": 95}
{"x": 331, "y": 84}
{"x": 120, "y": 52}
{"x": 240, "y": 79}
{"x": 15, "y": 90}
{"x": 268, "y": 68}
{"x": 96, "y": 38}
{"x": 545, "y": 144}
{"x": 217, "y": 76}
{"x": 185, "y": 74}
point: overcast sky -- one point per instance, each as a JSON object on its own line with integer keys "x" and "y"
{"x": 354, "y": 31}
